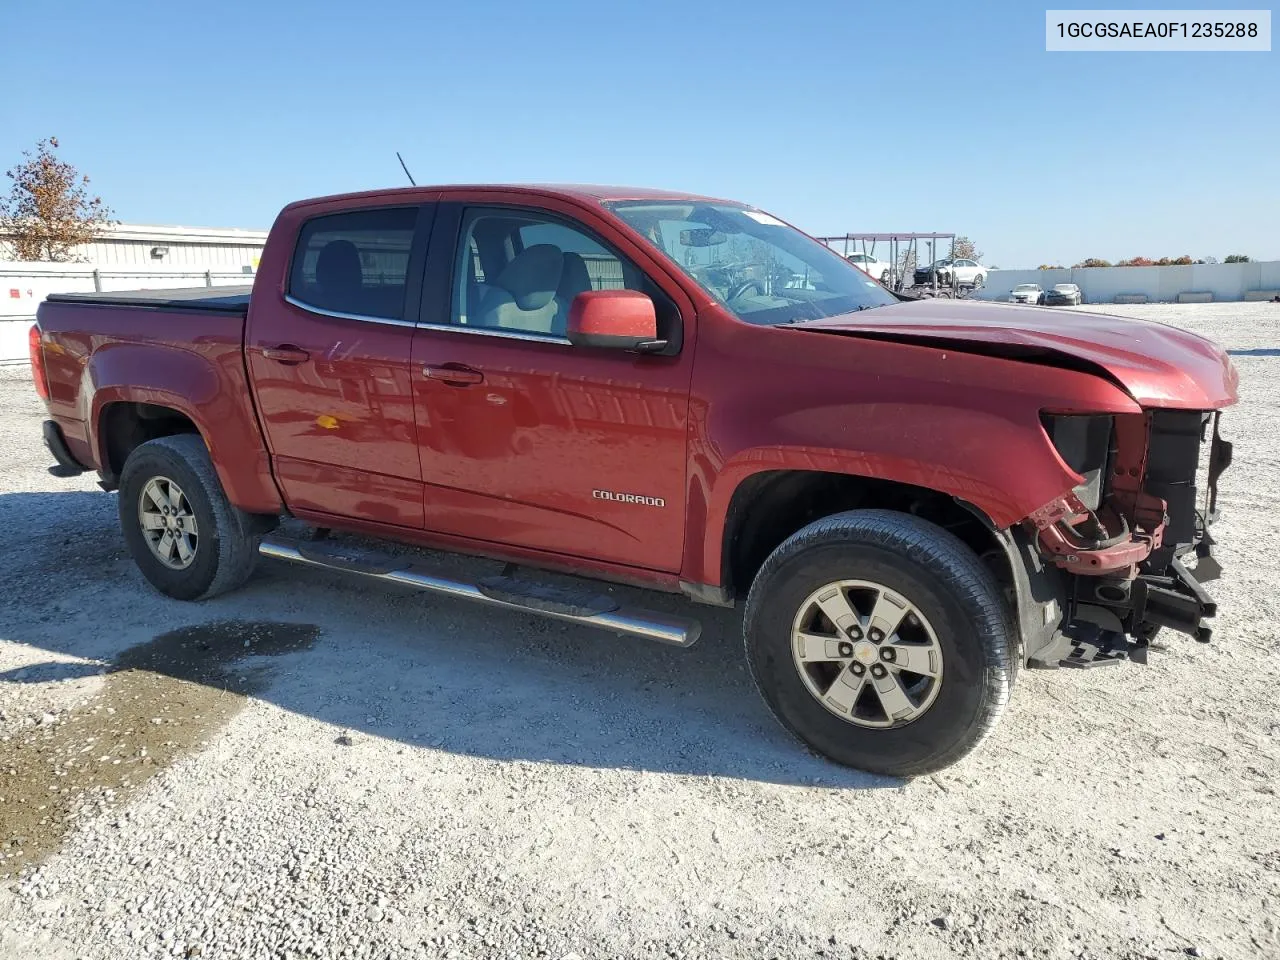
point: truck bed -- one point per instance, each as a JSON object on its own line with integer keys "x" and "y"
{"x": 234, "y": 300}
{"x": 180, "y": 349}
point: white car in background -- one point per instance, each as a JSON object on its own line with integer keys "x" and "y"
{"x": 1027, "y": 293}
{"x": 965, "y": 273}
{"x": 875, "y": 269}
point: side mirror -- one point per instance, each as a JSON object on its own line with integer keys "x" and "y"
{"x": 614, "y": 319}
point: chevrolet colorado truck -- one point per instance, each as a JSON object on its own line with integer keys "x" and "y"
{"x": 909, "y": 500}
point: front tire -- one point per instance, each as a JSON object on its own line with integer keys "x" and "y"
{"x": 185, "y": 537}
{"x": 881, "y": 641}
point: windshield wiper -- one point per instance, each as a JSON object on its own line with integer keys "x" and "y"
{"x": 822, "y": 316}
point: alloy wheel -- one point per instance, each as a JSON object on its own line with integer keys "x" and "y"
{"x": 168, "y": 523}
{"x": 867, "y": 654}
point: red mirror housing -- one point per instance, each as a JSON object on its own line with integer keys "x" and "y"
{"x": 616, "y": 319}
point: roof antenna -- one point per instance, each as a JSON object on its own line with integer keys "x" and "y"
{"x": 405, "y": 169}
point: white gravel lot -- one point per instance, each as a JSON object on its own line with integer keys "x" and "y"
{"x": 316, "y": 768}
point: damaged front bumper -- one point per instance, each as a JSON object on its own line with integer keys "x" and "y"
{"x": 1178, "y": 601}
{"x": 1150, "y": 574}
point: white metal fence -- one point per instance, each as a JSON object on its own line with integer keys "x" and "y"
{"x": 24, "y": 285}
{"x": 1225, "y": 281}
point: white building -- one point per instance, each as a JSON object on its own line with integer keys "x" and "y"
{"x": 187, "y": 248}
{"x": 200, "y": 248}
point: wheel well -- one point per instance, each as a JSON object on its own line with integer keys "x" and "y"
{"x": 770, "y": 506}
{"x": 125, "y": 426}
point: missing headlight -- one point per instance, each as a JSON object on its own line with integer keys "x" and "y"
{"x": 1085, "y": 444}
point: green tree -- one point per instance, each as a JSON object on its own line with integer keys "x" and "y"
{"x": 1237, "y": 258}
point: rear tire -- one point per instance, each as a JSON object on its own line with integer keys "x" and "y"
{"x": 185, "y": 537}
{"x": 954, "y": 629}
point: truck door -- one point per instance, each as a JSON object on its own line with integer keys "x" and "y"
{"x": 329, "y": 360}
{"x": 525, "y": 439}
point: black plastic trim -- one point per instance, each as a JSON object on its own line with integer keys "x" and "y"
{"x": 218, "y": 300}
{"x": 710, "y": 594}
{"x": 68, "y": 466}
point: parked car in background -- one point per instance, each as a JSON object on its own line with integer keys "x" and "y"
{"x": 875, "y": 269}
{"x": 964, "y": 273}
{"x": 1064, "y": 294}
{"x": 1027, "y": 293}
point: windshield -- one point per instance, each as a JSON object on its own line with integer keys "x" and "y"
{"x": 1026, "y": 287}
{"x": 762, "y": 270}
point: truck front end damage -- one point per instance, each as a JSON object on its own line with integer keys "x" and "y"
{"x": 1128, "y": 549}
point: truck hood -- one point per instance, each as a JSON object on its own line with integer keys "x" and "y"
{"x": 1158, "y": 365}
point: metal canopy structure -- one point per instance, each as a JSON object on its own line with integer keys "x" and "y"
{"x": 902, "y": 248}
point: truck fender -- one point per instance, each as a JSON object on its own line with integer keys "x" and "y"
{"x": 213, "y": 398}
{"x": 712, "y": 486}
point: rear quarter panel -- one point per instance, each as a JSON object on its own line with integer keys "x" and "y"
{"x": 189, "y": 361}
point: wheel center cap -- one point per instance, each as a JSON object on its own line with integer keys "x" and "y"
{"x": 864, "y": 651}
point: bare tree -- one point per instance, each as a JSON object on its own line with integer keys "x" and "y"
{"x": 966, "y": 249}
{"x": 906, "y": 265}
{"x": 49, "y": 211}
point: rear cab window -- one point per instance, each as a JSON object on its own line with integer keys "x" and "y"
{"x": 354, "y": 263}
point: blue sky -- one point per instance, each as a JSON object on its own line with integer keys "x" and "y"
{"x": 835, "y": 115}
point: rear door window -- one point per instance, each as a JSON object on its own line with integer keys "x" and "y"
{"x": 355, "y": 263}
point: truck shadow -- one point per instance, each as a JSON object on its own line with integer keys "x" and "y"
{"x": 431, "y": 673}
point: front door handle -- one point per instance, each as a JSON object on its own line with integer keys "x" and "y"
{"x": 454, "y": 374}
{"x": 286, "y": 353}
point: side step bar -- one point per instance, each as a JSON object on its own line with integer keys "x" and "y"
{"x": 561, "y": 603}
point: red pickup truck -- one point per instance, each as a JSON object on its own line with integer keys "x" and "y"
{"x": 910, "y": 500}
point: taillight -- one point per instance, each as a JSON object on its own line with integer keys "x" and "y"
{"x": 38, "y": 372}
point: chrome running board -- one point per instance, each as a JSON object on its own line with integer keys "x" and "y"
{"x": 560, "y": 603}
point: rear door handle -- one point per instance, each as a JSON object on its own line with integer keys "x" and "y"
{"x": 455, "y": 374}
{"x": 286, "y": 353}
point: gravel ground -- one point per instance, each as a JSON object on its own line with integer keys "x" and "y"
{"x": 309, "y": 768}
